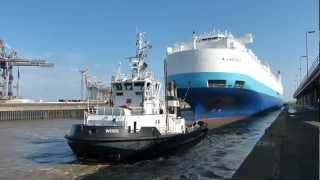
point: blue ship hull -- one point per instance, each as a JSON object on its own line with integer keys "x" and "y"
{"x": 223, "y": 105}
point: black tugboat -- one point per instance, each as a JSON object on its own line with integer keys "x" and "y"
{"x": 96, "y": 143}
{"x": 140, "y": 125}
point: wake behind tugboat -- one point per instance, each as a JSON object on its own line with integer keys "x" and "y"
{"x": 140, "y": 125}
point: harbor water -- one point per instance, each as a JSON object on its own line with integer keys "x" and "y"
{"x": 37, "y": 150}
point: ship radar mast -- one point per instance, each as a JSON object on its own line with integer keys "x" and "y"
{"x": 138, "y": 65}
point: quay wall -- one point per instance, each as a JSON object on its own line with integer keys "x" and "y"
{"x": 289, "y": 149}
{"x": 52, "y": 110}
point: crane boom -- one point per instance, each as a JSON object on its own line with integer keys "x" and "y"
{"x": 7, "y": 61}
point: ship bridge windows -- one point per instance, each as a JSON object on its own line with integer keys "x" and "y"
{"x": 211, "y": 38}
{"x": 217, "y": 83}
{"x": 128, "y": 86}
{"x": 117, "y": 86}
{"x": 239, "y": 84}
{"x": 138, "y": 85}
{"x": 119, "y": 93}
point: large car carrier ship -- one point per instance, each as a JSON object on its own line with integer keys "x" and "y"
{"x": 221, "y": 79}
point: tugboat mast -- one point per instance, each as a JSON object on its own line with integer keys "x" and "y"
{"x": 137, "y": 63}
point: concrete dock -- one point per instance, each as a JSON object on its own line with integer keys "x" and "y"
{"x": 45, "y": 110}
{"x": 289, "y": 149}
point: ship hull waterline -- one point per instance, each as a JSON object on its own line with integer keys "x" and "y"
{"x": 222, "y": 106}
{"x": 130, "y": 148}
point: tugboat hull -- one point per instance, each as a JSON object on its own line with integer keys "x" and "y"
{"x": 124, "y": 146}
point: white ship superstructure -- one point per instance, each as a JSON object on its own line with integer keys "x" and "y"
{"x": 136, "y": 99}
{"x": 221, "y": 78}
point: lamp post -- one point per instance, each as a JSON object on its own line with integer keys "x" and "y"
{"x": 308, "y": 32}
{"x": 296, "y": 82}
{"x": 300, "y": 69}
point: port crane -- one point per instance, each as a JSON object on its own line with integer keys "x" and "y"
{"x": 84, "y": 74}
{"x": 92, "y": 89}
{"x": 7, "y": 62}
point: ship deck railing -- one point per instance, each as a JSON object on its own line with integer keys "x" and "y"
{"x": 106, "y": 123}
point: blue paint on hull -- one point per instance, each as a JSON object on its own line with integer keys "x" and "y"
{"x": 228, "y": 102}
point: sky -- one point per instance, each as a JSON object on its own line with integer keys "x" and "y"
{"x": 98, "y": 34}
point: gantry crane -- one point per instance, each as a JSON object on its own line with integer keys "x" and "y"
{"x": 84, "y": 74}
{"x": 92, "y": 89}
{"x": 7, "y": 61}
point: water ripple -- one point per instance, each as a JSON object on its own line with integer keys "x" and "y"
{"x": 216, "y": 157}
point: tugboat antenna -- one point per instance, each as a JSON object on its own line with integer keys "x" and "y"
{"x": 137, "y": 62}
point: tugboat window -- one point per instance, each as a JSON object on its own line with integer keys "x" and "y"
{"x": 119, "y": 94}
{"x": 239, "y": 84}
{"x": 139, "y": 85}
{"x": 117, "y": 86}
{"x": 128, "y": 86}
{"x": 171, "y": 110}
{"x": 217, "y": 83}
